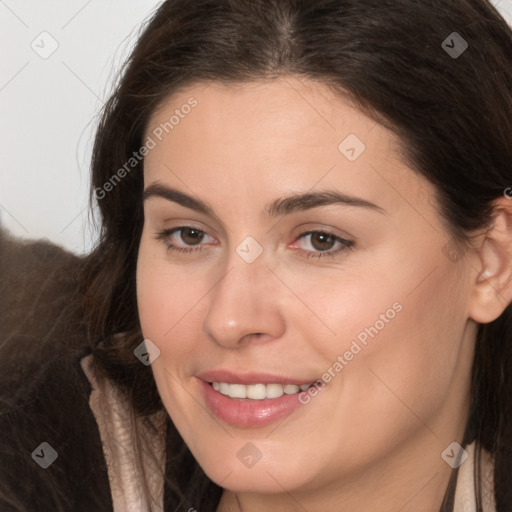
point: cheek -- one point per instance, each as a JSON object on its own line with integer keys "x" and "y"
{"x": 165, "y": 303}
{"x": 398, "y": 333}
{"x": 407, "y": 365}
{"x": 166, "y": 314}
{"x": 162, "y": 297}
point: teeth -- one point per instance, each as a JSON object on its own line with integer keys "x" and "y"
{"x": 237, "y": 391}
{"x": 274, "y": 390}
{"x": 290, "y": 389}
{"x": 257, "y": 391}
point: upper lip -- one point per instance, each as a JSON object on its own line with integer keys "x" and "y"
{"x": 249, "y": 378}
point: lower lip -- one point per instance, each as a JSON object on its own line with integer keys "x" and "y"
{"x": 245, "y": 412}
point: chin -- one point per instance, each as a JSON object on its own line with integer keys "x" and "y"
{"x": 264, "y": 477}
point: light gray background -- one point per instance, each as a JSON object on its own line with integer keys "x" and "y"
{"x": 49, "y": 107}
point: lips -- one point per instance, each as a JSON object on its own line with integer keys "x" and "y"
{"x": 269, "y": 402}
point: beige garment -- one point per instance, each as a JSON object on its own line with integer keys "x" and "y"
{"x": 112, "y": 413}
{"x": 113, "y": 416}
{"x": 465, "y": 500}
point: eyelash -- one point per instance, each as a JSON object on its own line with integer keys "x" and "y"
{"x": 164, "y": 235}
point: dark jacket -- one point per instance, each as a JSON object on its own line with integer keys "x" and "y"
{"x": 44, "y": 393}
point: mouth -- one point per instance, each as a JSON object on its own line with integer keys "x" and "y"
{"x": 251, "y": 401}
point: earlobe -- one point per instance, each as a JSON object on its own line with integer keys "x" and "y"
{"x": 492, "y": 290}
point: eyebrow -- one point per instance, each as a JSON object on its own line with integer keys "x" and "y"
{"x": 282, "y": 206}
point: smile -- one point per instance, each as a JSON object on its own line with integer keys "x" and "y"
{"x": 257, "y": 391}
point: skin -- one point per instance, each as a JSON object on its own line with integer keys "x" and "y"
{"x": 373, "y": 438}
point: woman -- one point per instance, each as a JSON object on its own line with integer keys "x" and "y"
{"x": 300, "y": 298}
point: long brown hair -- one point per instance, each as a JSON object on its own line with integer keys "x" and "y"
{"x": 452, "y": 114}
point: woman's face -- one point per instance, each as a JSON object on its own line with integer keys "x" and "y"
{"x": 242, "y": 283}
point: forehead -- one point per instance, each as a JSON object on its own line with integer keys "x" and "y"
{"x": 274, "y": 134}
{"x": 302, "y": 109}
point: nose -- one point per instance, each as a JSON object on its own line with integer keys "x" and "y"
{"x": 245, "y": 304}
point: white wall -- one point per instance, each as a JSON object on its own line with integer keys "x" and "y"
{"x": 48, "y": 106}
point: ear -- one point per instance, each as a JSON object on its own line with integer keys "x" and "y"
{"x": 492, "y": 289}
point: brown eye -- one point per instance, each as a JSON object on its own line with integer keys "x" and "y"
{"x": 191, "y": 236}
{"x": 322, "y": 244}
{"x": 184, "y": 239}
{"x": 322, "y": 241}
